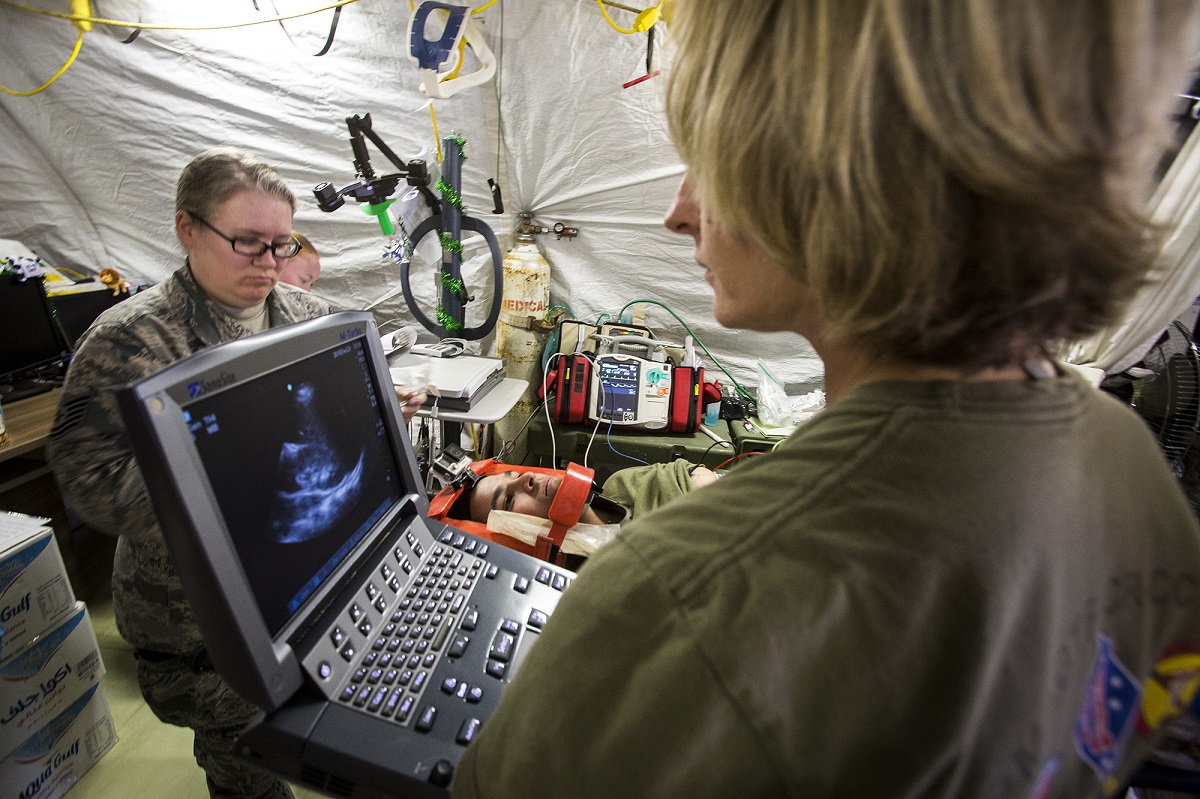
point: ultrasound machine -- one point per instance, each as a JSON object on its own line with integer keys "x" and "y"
{"x": 375, "y": 641}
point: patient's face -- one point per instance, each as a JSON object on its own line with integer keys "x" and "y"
{"x": 520, "y": 493}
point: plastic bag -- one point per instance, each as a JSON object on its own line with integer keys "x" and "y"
{"x": 414, "y": 379}
{"x": 774, "y": 407}
{"x": 582, "y": 539}
{"x": 806, "y": 406}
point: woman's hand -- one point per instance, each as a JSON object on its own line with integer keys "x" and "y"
{"x": 410, "y": 401}
{"x": 702, "y": 476}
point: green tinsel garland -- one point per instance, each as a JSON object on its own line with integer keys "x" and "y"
{"x": 450, "y": 244}
{"x": 447, "y": 321}
{"x": 451, "y": 196}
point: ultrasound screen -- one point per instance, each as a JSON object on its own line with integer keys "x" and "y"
{"x": 302, "y": 469}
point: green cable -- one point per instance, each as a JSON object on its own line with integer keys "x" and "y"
{"x": 736, "y": 385}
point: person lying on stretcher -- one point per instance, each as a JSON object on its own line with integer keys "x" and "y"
{"x": 565, "y": 497}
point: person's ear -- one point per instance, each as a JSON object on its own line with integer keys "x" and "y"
{"x": 185, "y": 228}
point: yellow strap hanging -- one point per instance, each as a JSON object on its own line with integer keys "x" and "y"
{"x": 57, "y": 75}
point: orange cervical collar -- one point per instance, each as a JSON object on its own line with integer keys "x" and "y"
{"x": 565, "y": 511}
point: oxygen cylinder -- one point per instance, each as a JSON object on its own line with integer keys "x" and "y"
{"x": 520, "y": 333}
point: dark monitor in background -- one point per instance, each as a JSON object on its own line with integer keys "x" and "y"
{"x": 76, "y": 311}
{"x": 31, "y": 340}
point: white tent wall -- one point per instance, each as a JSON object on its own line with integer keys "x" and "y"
{"x": 88, "y": 166}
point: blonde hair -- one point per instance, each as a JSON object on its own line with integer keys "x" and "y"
{"x": 305, "y": 244}
{"x": 957, "y": 181}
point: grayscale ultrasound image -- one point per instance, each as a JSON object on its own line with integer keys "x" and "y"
{"x": 318, "y": 483}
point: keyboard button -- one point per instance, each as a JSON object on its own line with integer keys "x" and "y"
{"x": 492, "y": 571}
{"x": 443, "y": 632}
{"x": 355, "y": 613}
{"x": 474, "y": 694}
{"x": 481, "y": 551}
{"x": 543, "y": 576}
{"x": 393, "y": 702}
{"x": 348, "y": 693}
{"x": 502, "y": 647}
{"x": 426, "y": 719}
{"x": 405, "y": 708}
{"x": 521, "y": 584}
{"x": 537, "y": 619}
{"x": 450, "y": 685}
{"x": 511, "y": 627}
{"x": 337, "y": 636}
{"x": 469, "y": 620}
{"x": 458, "y": 647}
{"x": 348, "y": 652}
{"x": 419, "y": 681}
{"x": 467, "y": 731}
{"x": 377, "y": 700}
{"x": 495, "y": 669}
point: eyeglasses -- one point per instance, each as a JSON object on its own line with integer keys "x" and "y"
{"x": 253, "y": 247}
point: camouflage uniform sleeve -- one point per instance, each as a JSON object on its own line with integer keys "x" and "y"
{"x": 89, "y": 451}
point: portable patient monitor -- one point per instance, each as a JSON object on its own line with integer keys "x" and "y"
{"x": 630, "y": 392}
{"x": 376, "y": 640}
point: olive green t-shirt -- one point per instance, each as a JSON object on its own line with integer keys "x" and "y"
{"x": 932, "y": 589}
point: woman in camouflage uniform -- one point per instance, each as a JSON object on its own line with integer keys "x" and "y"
{"x": 233, "y": 216}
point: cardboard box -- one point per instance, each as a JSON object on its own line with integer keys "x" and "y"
{"x": 34, "y": 588}
{"x": 38, "y": 681}
{"x": 57, "y": 755}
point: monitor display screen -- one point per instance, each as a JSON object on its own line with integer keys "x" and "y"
{"x": 29, "y": 335}
{"x": 315, "y": 470}
{"x": 619, "y": 389}
{"x": 77, "y": 311}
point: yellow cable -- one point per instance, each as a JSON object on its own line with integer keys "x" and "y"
{"x": 80, "y": 19}
{"x": 436, "y": 138}
{"x": 483, "y": 7}
{"x": 462, "y": 53}
{"x": 57, "y": 75}
{"x": 643, "y": 22}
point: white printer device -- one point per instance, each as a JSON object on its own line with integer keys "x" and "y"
{"x": 457, "y": 382}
